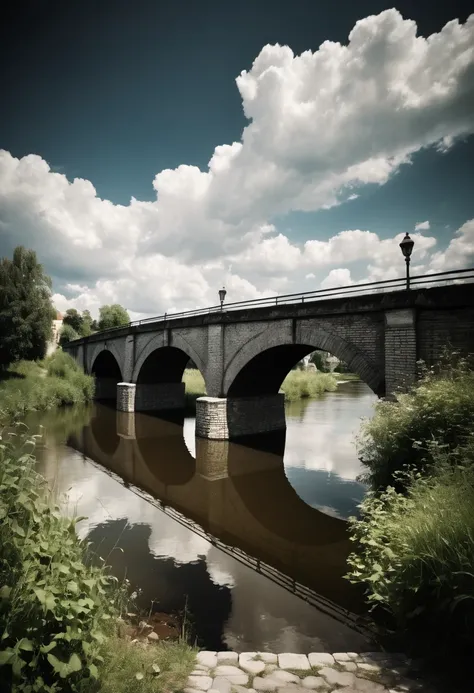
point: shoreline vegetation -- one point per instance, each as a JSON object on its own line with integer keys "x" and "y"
{"x": 414, "y": 539}
{"x": 56, "y": 381}
{"x": 63, "y": 617}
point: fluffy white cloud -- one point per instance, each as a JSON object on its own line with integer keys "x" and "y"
{"x": 422, "y": 226}
{"x": 321, "y": 125}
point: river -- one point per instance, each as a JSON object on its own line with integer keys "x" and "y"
{"x": 250, "y": 541}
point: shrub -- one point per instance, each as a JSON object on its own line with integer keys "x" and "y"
{"x": 416, "y": 553}
{"x": 68, "y": 334}
{"x": 53, "y": 608}
{"x": 304, "y": 384}
{"x": 439, "y": 407}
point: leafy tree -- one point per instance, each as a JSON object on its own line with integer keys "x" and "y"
{"x": 26, "y": 311}
{"x": 86, "y": 329}
{"x": 319, "y": 361}
{"x": 74, "y": 319}
{"x": 68, "y": 333}
{"x": 112, "y": 316}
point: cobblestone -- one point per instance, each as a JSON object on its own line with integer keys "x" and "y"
{"x": 317, "y": 672}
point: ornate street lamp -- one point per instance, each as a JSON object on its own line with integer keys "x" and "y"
{"x": 407, "y": 246}
{"x": 222, "y": 293}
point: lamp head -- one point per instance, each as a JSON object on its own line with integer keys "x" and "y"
{"x": 407, "y": 246}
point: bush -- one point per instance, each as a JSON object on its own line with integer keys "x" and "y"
{"x": 416, "y": 553}
{"x": 53, "y": 608}
{"x": 303, "y": 384}
{"x": 439, "y": 407}
{"x": 68, "y": 333}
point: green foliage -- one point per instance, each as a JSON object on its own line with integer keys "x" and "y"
{"x": 54, "y": 382}
{"x": 54, "y": 609}
{"x": 26, "y": 312}
{"x": 305, "y": 384}
{"x": 194, "y": 386}
{"x": 67, "y": 334}
{"x": 81, "y": 325}
{"x": 112, "y": 316}
{"x": 73, "y": 319}
{"x": 415, "y": 553}
{"x": 439, "y": 407}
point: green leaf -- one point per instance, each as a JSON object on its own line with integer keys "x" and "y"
{"x": 6, "y": 656}
{"x": 47, "y": 648}
{"x": 93, "y": 671}
{"x": 139, "y": 676}
{"x": 5, "y": 592}
{"x": 74, "y": 663}
{"x": 65, "y": 668}
{"x": 73, "y": 586}
{"x": 25, "y": 644}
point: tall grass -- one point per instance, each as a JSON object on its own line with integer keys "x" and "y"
{"x": 38, "y": 386}
{"x": 297, "y": 385}
{"x": 440, "y": 407}
{"x": 415, "y": 554}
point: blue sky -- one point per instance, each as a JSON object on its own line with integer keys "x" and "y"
{"x": 116, "y": 92}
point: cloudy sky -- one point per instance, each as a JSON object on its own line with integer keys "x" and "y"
{"x": 152, "y": 151}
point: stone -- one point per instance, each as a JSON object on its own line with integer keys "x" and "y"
{"x": 293, "y": 661}
{"x": 337, "y": 678}
{"x": 238, "y": 679}
{"x": 271, "y": 667}
{"x": 292, "y": 689}
{"x": 153, "y": 636}
{"x": 365, "y": 667}
{"x": 315, "y": 682}
{"x": 374, "y": 656}
{"x": 227, "y": 670}
{"x": 268, "y": 657}
{"x": 201, "y": 683}
{"x": 348, "y": 666}
{"x": 366, "y": 686}
{"x": 201, "y": 667}
{"x": 222, "y": 685}
{"x": 320, "y": 659}
{"x": 199, "y": 672}
{"x": 224, "y": 657}
{"x": 352, "y": 655}
{"x": 284, "y": 676}
{"x": 341, "y": 656}
{"x": 252, "y": 666}
{"x": 191, "y": 690}
{"x": 207, "y": 659}
{"x": 265, "y": 684}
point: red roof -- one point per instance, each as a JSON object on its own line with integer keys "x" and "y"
{"x": 58, "y": 315}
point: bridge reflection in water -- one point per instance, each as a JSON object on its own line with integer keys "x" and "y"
{"x": 236, "y": 497}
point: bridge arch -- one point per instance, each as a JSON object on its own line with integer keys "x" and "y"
{"x": 167, "y": 361}
{"x": 101, "y": 348}
{"x": 261, "y": 365}
{"x": 107, "y": 373}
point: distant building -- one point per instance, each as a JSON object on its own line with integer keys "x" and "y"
{"x": 57, "y": 326}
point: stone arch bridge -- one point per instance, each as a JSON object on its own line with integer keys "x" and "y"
{"x": 244, "y": 355}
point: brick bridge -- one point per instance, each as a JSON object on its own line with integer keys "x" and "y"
{"x": 244, "y": 355}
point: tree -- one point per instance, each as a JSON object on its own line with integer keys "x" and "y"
{"x": 319, "y": 361}
{"x": 26, "y": 311}
{"x": 68, "y": 333}
{"x": 112, "y": 316}
{"x": 86, "y": 328}
{"x": 74, "y": 319}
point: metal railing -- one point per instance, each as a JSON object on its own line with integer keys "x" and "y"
{"x": 366, "y": 288}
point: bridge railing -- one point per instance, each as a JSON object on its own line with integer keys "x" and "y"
{"x": 366, "y": 288}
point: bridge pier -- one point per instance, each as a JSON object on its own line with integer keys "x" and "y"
{"x": 227, "y": 418}
{"x": 150, "y": 396}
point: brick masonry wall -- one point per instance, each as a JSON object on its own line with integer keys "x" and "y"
{"x": 126, "y": 397}
{"x": 229, "y": 418}
{"x": 159, "y": 396}
{"x": 400, "y": 350}
{"x": 439, "y": 328}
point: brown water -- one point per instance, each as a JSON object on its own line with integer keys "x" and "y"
{"x": 251, "y": 540}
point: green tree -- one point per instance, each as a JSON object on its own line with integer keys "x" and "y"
{"x": 112, "y": 316}
{"x": 319, "y": 361}
{"x": 86, "y": 329}
{"x": 74, "y": 319}
{"x": 68, "y": 333}
{"x": 26, "y": 311}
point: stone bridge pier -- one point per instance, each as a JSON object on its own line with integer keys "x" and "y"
{"x": 244, "y": 355}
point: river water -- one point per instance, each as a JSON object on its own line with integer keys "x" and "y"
{"x": 250, "y": 541}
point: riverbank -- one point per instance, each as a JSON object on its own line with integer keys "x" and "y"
{"x": 414, "y": 539}
{"x": 297, "y": 384}
{"x": 60, "y": 609}
{"x": 370, "y": 672}
{"x": 28, "y": 386}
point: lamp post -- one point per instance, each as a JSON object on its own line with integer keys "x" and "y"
{"x": 407, "y": 246}
{"x": 222, "y": 293}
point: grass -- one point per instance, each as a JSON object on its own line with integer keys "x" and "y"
{"x": 297, "y": 385}
{"x": 29, "y": 386}
{"x": 415, "y": 555}
{"x": 60, "y": 613}
{"x": 343, "y": 377}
